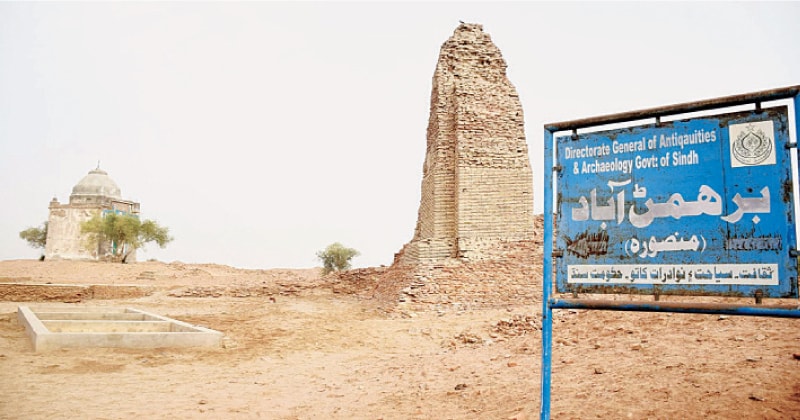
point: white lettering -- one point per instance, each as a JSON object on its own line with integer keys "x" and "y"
{"x": 681, "y": 159}
{"x": 645, "y": 163}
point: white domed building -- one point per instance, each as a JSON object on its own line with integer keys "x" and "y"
{"x": 96, "y": 192}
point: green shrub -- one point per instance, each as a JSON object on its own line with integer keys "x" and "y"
{"x": 336, "y": 257}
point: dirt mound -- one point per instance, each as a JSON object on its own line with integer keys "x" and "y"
{"x": 510, "y": 274}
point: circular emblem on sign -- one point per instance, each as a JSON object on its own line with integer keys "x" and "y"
{"x": 752, "y": 146}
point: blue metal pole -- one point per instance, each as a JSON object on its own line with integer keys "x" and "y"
{"x": 797, "y": 117}
{"x": 547, "y": 277}
{"x": 793, "y": 154}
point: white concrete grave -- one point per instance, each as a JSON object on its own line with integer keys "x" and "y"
{"x": 51, "y": 329}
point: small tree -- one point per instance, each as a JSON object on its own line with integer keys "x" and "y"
{"x": 126, "y": 231}
{"x": 336, "y": 257}
{"x": 35, "y": 236}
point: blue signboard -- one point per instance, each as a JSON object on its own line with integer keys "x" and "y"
{"x": 696, "y": 207}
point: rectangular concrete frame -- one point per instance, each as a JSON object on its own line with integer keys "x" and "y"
{"x": 108, "y": 327}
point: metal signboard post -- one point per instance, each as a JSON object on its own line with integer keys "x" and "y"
{"x": 700, "y": 206}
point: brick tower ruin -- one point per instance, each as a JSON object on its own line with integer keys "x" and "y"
{"x": 477, "y": 188}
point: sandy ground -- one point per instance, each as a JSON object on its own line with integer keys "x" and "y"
{"x": 314, "y": 354}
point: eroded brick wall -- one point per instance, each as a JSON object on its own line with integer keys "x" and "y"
{"x": 477, "y": 187}
{"x": 510, "y": 274}
{"x": 64, "y": 237}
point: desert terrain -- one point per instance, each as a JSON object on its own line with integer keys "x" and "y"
{"x": 299, "y": 346}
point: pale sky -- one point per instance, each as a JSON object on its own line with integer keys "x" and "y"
{"x": 261, "y": 132}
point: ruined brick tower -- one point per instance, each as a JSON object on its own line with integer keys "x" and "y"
{"x": 477, "y": 188}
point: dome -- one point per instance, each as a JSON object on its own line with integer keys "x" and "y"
{"x": 95, "y": 185}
